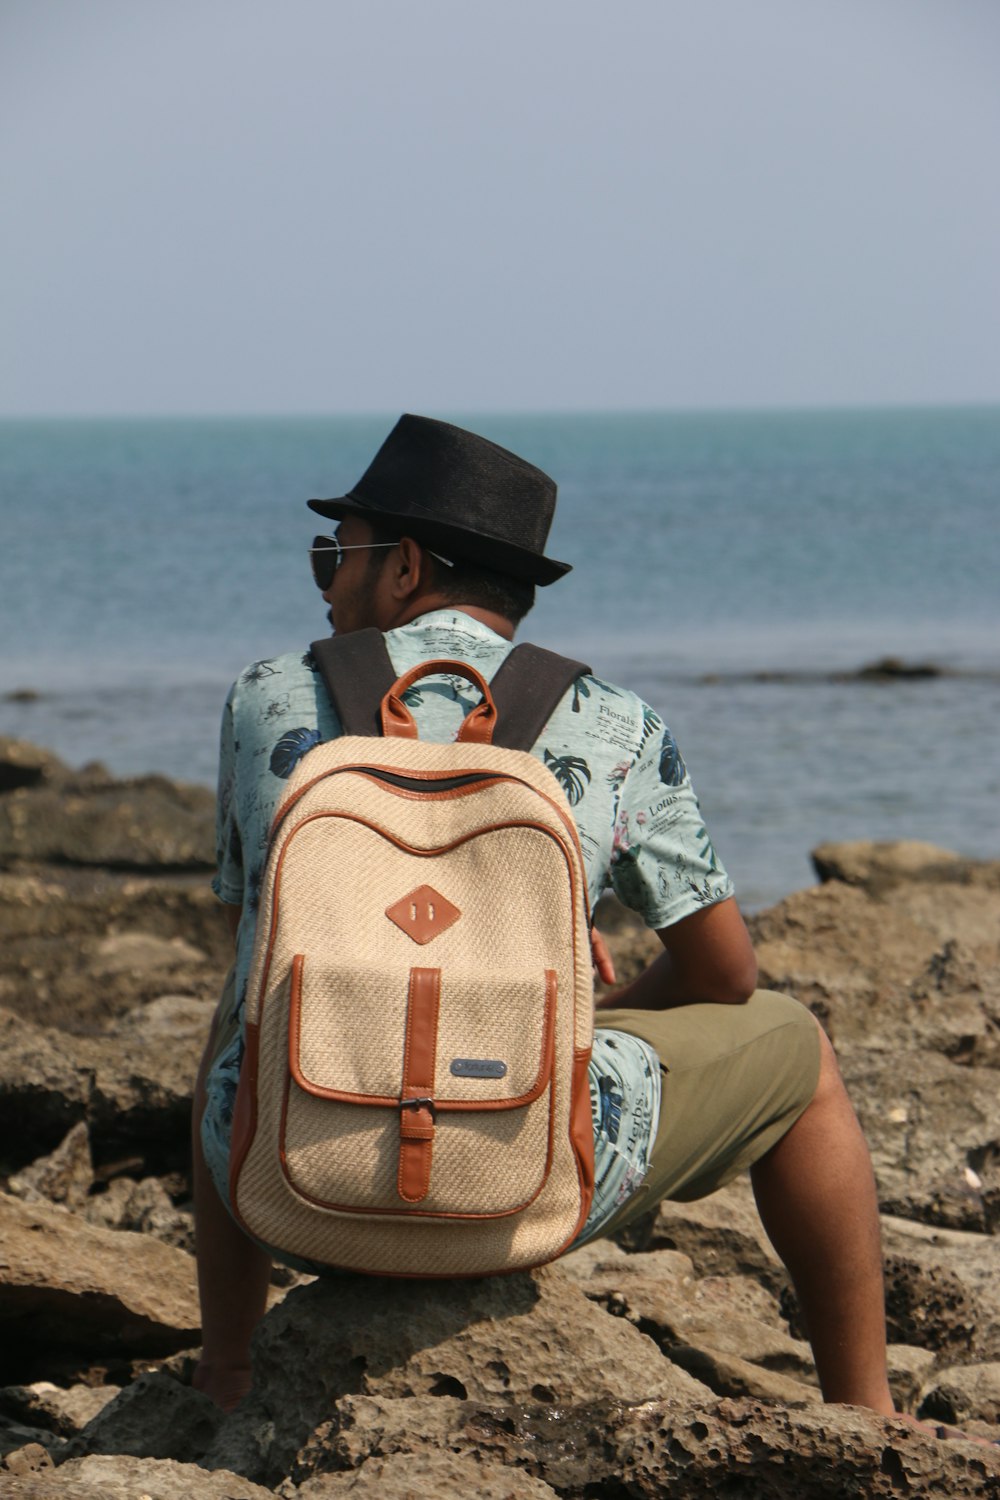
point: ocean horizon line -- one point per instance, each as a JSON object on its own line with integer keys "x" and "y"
{"x": 546, "y": 414}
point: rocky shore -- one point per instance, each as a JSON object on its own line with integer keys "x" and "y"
{"x": 669, "y": 1365}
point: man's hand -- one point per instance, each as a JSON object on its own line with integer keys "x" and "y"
{"x": 603, "y": 964}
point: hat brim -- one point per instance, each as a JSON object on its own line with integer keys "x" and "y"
{"x": 453, "y": 541}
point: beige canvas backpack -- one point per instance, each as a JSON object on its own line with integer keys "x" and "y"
{"x": 413, "y": 1098}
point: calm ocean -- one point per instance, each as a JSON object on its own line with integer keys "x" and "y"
{"x": 734, "y": 569}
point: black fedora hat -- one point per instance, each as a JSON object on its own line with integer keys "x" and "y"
{"x": 460, "y": 494}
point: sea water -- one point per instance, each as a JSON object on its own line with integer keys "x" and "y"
{"x": 735, "y": 569}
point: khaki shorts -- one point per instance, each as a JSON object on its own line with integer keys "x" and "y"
{"x": 735, "y": 1079}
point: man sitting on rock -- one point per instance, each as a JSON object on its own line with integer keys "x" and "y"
{"x": 696, "y": 1075}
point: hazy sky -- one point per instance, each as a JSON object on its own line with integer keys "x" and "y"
{"x": 448, "y": 205}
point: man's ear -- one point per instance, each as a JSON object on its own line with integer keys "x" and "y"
{"x": 409, "y": 569}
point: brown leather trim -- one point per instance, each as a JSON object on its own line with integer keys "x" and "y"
{"x": 416, "y": 1122}
{"x": 423, "y": 914}
{"x": 244, "y": 1126}
{"x": 546, "y": 1062}
{"x": 397, "y": 721}
{"x": 581, "y": 1133}
{"x": 477, "y": 726}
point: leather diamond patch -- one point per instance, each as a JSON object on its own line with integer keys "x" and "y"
{"x": 423, "y": 914}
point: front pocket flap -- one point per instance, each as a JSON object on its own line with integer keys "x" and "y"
{"x": 347, "y": 1035}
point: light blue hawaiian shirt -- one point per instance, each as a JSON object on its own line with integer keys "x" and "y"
{"x": 640, "y": 827}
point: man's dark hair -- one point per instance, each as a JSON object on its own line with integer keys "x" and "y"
{"x": 467, "y": 583}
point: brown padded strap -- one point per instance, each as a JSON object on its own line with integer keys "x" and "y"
{"x": 358, "y": 672}
{"x": 526, "y": 688}
{"x": 416, "y": 1120}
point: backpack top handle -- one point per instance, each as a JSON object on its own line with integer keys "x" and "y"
{"x": 477, "y": 726}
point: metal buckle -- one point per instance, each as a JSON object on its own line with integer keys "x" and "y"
{"x": 422, "y": 1101}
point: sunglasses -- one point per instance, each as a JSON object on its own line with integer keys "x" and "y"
{"x": 327, "y": 553}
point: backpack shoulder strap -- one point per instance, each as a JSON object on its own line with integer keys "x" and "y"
{"x": 526, "y": 688}
{"x": 358, "y": 672}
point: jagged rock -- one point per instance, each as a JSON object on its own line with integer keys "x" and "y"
{"x": 661, "y": 1448}
{"x": 929, "y": 1124}
{"x": 362, "y": 1384}
{"x": 530, "y": 1337}
{"x": 915, "y": 964}
{"x": 138, "y": 953}
{"x": 716, "y": 1340}
{"x": 963, "y": 1393}
{"x": 766, "y": 1453}
{"x": 909, "y": 1370}
{"x": 571, "y": 1438}
{"x": 870, "y": 863}
{"x": 727, "y": 1374}
{"x": 25, "y": 765}
{"x": 65, "y": 1176}
{"x": 62, "y": 1412}
{"x": 154, "y": 1417}
{"x": 167, "y": 1020}
{"x": 363, "y": 1426}
{"x": 580, "y": 1264}
{"x": 118, "y": 1478}
{"x": 21, "y": 1445}
{"x": 721, "y": 1234}
{"x": 414, "y": 1476}
{"x": 145, "y": 1207}
{"x": 927, "y": 1306}
{"x": 65, "y": 1284}
{"x": 833, "y": 948}
{"x": 879, "y": 866}
{"x": 953, "y": 1288}
{"x": 120, "y": 1085}
{"x": 146, "y": 823}
{"x": 47, "y": 916}
{"x": 31, "y": 1458}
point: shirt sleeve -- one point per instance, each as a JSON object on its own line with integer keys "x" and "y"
{"x": 663, "y": 863}
{"x": 227, "y": 882}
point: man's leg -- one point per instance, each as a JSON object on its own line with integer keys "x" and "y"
{"x": 816, "y": 1195}
{"x": 233, "y": 1276}
{"x": 757, "y": 1086}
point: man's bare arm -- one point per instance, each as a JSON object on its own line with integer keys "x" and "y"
{"x": 707, "y": 957}
{"x": 233, "y": 915}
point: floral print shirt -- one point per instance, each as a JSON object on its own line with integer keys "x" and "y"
{"x": 640, "y": 826}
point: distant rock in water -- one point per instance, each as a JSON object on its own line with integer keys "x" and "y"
{"x": 889, "y": 667}
{"x": 877, "y": 865}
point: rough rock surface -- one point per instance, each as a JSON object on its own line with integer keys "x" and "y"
{"x": 527, "y": 1338}
{"x": 671, "y": 1363}
{"x": 67, "y": 1285}
{"x": 404, "y": 1476}
{"x": 120, "y": 1478}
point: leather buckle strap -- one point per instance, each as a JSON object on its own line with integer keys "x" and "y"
{"x": 416, "y": 1104}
